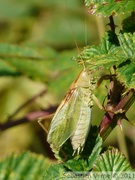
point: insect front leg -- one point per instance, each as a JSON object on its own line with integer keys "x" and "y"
{"x": 114, "y": 94}
{"x": 108, "y": 109}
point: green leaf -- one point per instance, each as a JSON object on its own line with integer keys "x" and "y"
{"x": 23, "y": 166}
{"x": 9, "y": 51}
{"x": 127, "y": 42}
{"x": 43, "y": 64}
{"x": 106, "y": 54}
{"x": 17, "y": 60}
{"x": 126, "y": 73}
{"x": 76, "y": 164}
{"x": 111, "y": 53}
{"x": 95, "y": 152}
{"x": 7, "y": 70}
{"x": 56, "y": 171}
{"x": 109, "y": 7}
{"x": 34, "y": 69}
{"x": 111, "y": 162}
{"x": 126, "y": 69}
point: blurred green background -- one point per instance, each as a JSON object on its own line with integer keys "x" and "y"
{"x": 52, "y": 29}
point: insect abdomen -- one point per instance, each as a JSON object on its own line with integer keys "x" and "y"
{"x": 79, "y": 137}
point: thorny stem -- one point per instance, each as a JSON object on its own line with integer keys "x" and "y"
{"x": 110, "y": 119}
{"x": 112, "y": 24}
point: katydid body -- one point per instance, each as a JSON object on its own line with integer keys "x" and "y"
{"x": 73, "y": 116}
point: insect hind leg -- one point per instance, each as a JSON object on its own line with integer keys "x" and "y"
{"x": 41, "y": 121}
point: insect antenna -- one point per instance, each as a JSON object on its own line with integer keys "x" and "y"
{"x": 75, "y": 41}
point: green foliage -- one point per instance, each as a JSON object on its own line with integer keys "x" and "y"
{"x": 58, "y": 172}
{"x": 105, "y": 54}
{"x": 126, "y": 69}
{"x": 109, "y": 53}
{"x": 22, "y": 166}
{"x": 108, "y": 165}
{"x": 86, "y": 160}
{"x": 36, "y": 64}
{"x": 82, "y": 164}
{"x": 112, "y": 161}
{"x": 109, "y": 7}
{"x": 32, "y": 166}
{"x": 20, "y": 61}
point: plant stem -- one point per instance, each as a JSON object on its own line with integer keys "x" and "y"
{"x": 110, "y": 119}
{"x": 32, "y": 116}
{"x": 27, "y": 103}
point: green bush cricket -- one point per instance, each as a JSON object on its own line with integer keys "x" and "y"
{"x": 73, "y": 116}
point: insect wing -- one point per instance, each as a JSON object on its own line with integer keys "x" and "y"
{"x": 65, "y": 121}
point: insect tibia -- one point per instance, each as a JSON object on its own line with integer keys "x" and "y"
{"x": 42, "y": 121}
{"x": 104, "y": 77}
{"x": 95, "y": 99}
